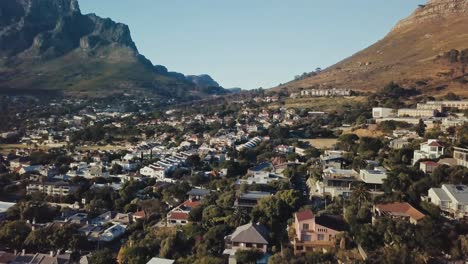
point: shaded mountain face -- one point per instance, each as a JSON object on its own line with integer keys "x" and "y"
{"x": 203, "y": 80}
{"x": 426, "y": 51}
{"x": 49, "y": 45}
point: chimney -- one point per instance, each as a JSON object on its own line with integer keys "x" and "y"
{"x": 51, "y": 253}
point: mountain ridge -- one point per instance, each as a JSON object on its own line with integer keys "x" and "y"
{"x": 413, "y": 54}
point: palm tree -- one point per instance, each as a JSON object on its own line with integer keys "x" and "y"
{"x": 239, "y": 217}
{"x": 360, "y": 194}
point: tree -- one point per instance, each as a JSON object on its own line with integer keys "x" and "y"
{"x": 116, "y": 169}
{"x": 421, "y": 128}
{"x": 239, "y": 217}
{"x": 360, "y": 194}
{"x": 347, "y": 141}
{"x": 248, "y": 256}
{"x": 14, "y": 233}
{"x": 103, "y": 256}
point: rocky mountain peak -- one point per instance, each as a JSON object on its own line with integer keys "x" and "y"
{"x": 49, "y": 28}
{"x": 434, "y": 9}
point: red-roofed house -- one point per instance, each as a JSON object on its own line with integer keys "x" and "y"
{"x": 432, "y": 149}
{"x": 180, "y": 214}
{"x": 428, "y": 166}
{"x": 315, "y": 232}
{"x": 397, "y": 210}
{"x": 139, "y": 215}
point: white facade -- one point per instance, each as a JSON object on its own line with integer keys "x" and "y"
{"x": 451, "y": 198}
{"x": 375, "y": 176}
{"x": 112, "y": 232}
{"x": 416, "y": 112}
{"x": 260, "y": 177}
{"x": 432, "y": 149}
{"x": 336, "y": 182}
{"x": 380, "y": 112}
{"x": 461, "y": 156}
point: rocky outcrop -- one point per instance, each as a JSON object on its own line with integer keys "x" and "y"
{"x": 51, "y": 45}
{"x": 203, "y": 80}
{"x": 50, "y": 28}
{"x": 434, "y": 9}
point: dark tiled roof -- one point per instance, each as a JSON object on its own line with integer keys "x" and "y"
{"x": 251, "y": 233}
{"x": 334, "y": 222}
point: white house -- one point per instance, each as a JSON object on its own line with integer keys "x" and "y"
{"x": 112, "y": 233}
{"x": 336, "y": 182}
{"x": 450, "y": 198}
{"x": 461, "y": 156}
{"x": 373, "y": 178}
{"x": 153, "y": 171}
{"x": 432, "y": 149}
{"x": 260, "y": 177}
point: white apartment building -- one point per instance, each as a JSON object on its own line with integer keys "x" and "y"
{"x": 51, "y": 188}
{"x": 381, "y": 112}
{"x": 409, "y": 112}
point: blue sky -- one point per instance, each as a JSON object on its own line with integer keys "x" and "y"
{"x": 252, "y": 43}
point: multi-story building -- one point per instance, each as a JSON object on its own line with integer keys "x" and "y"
{"x": 381, "y": 112}
{"x": 436, "y": 107}
{"x": 326, "y": 92}
{"x": 373, "y": 178}
{"x": 461, "y": 156}
{"x": 416, "y": 112}
{"x": 52, "y": 188}
{"x": 432, "y": 149}
{"x": 450, "y": 198}
{"x": 250, "y": 198}
{"x": 315, "y": 232}
{"x": 336, "y": 182}
{"x": 461, "y": 105}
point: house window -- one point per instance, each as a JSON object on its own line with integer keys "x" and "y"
{"x": 320, "y": 237}
{"x": 249, "y": 245}
{"x": 299, "y": 248}
{"x": 236, "y": 244}
{"x": 305, "y": 226}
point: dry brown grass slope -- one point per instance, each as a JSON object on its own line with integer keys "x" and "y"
{"x": 409, "y": 55}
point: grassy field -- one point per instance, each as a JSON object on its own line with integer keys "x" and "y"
{"x": 7, "y": 148}
{"x": 321, "y": 143}
{"x": 104, "y": 148}
{"x": 324, "y": 104}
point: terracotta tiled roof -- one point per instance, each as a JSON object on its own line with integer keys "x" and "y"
{"x": 401, "y": 209}
{"x": 430, "y": 163}
{"x": 178, "y": 216}
{"x": 436, "y": 144}
{"x": 139, "y": 214}
{"x": 304, "y": 215}
{"x": 192, "y": 204}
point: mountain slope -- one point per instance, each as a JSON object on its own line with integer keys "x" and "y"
{"x": 427, "y": 50}
{"x": 48, "y": 45}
